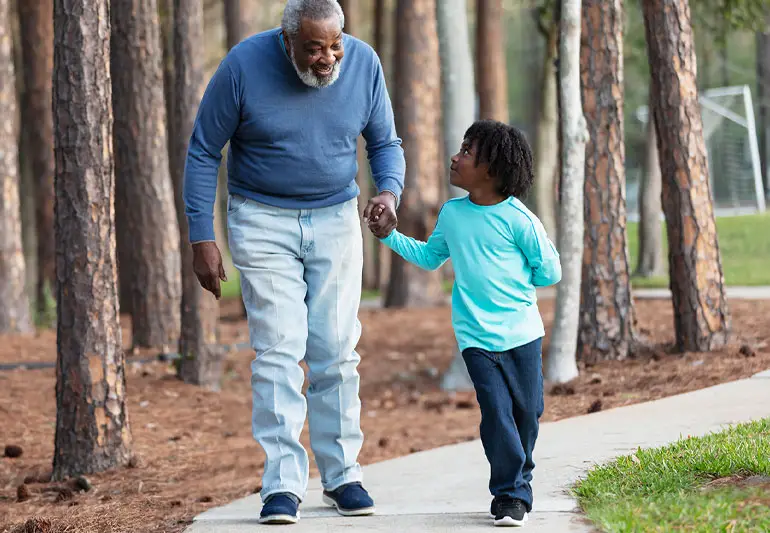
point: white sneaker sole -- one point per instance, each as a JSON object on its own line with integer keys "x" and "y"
{"x": 366, "y": 511}
{"x": 277, "y": 519}
{"x": 509, "y": 521}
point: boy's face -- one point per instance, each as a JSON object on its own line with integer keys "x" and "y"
{"x": 464, "y": 173}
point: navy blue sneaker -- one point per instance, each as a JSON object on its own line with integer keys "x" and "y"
{"x": 280, "y": 508}
{"x": 350, "y": 500}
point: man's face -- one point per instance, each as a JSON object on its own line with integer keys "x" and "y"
{"x": 316, "y": 51}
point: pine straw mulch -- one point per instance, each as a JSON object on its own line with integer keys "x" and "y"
{"x": 194, "y": 450}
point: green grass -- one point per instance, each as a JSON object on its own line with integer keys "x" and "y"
{"x": 662, "y": 489}
{"x": 744, "y": 245}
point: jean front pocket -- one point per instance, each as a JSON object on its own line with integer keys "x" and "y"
{"x": 235, "y": 202}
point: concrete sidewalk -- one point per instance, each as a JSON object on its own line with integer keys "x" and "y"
{"x": 445, "y": 489}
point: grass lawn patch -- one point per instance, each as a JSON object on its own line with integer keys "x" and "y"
{"x": 714, "y": 483}
{"x": 744, "y": 246}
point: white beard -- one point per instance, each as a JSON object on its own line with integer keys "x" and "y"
{"x": 311, "y": 79}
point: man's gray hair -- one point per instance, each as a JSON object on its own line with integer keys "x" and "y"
{"x": 296, "y": 10}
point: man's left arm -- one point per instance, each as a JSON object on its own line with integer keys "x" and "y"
{"x": 386, "y": 157}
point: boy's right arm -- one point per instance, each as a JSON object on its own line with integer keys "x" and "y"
{"x": 427, "y": 255}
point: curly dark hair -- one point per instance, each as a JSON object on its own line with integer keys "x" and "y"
{"x": 507, "y": 153}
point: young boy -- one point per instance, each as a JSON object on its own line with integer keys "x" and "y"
{"x": 500, "y": 253}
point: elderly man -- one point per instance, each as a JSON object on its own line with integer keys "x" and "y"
{"x": 292, "y": 109}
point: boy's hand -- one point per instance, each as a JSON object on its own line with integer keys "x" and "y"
{"x": 380, "y": 214}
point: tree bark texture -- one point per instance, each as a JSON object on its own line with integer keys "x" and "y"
{"x": 417, "y": 108}
{"x": 650, "y": 236}
{"x": 561, "y": 365}
{"x": 15, "y": 312}
{"x": 491, "y": 71}
{"x": 607, "y": 311}
{"x": 547, "y": 140}
{"x": 166, "y": 14}
{"x": 148, "y": 236}
{"x": 92, "y": 429}
{"x": 234, "y": 23}
{"x": 697, "y": 284}
{"x": 36, "y": 24}
{"x": 200, "y": 354}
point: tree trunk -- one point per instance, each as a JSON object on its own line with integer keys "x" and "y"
{"x": 697, "y": 284}
{"x": 166, "y": 14}
{"x": 606, "y": 328}
{"x": 92, "y": 430}
{"x": 458, "y": 112}
{"x": 650, "y": 237}
{"x": 763, "y": 96}
{"x": 547, "y": 141}
{"x": 148, "y": 236}
{"x": 561, "y": 365}
{"x": 15, "y": 312}
{"x": 417, "y": 107}
{"x": 234, "y": 23}
{"x": 200, "y": 354}
{"x": 36, "y": 24}
{"x": 491, "y": 72}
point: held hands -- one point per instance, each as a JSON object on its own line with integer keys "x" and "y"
{"x": 207, "y": 264}
{"x": 380, "y": 214}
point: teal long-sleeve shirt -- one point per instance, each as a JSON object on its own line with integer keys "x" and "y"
{"x": 500, "y": 254}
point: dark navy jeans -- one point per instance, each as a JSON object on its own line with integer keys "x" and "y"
{"x": 509, "y": 389}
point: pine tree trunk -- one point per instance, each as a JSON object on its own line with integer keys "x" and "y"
{"x": 92, "y": 430}
{"x": 36, "y": 24}
{"x": 547, "y": 140}
{"x": 15, "y": 312}
{"x": 697, "y": 284}
{"x": 458, "y": 112}
{"x": 201, "y": 355}
{"x": 491, "y": 71}
{"x": 166, "y": 14}
{"x": 561, "y": 365}
{"x": 417, "y": 108}
{"x": 763, "y": 96}
{"x": 607, "y": 312}
{"x": 148, "y": 236}
{"x": 234, "y": 23}
{"x": 650, "y": 236}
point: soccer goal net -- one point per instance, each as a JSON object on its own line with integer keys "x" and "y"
{"x": 732, "y": 150}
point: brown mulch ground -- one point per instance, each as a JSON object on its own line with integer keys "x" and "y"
{"x": 194, "y": 448}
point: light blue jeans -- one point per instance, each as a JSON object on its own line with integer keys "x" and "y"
{"x": 301, "y": 281}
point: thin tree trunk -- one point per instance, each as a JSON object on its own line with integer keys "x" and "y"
{"x": 763, "y": 96}
{"x": 166, "y": 14}
{"x": 547, "y": 140}
{"x": 606, "y": 328}
{"x": 491, "y": 71}
{"x": 417, "y": 107}
{"x": 234, "y": 23}
{"x": 701, "y": 317}
{"x": 650, "y": 236}
{"x": 458, "y": 111}
{"x": 36, "y": 23}
{"x": 15, "y": 312}
{"x": 148, "y": 236}
{"x": 92, "y": 430}
{"x": 561, "y": 365}
{"x": 201, "y": 355}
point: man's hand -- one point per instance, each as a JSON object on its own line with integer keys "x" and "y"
{"x": 380, "y": 214}
{"x": 207, "y": 264}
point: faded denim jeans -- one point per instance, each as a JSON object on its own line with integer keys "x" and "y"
{"x": 301, "y": 282}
